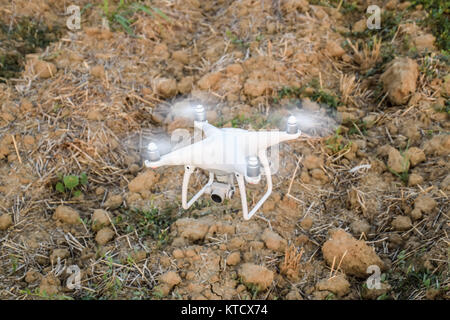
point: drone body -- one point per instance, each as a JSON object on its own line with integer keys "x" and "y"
{"x": 226, "y": 153}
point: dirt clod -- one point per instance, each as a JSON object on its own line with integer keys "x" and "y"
{"x": 49, "y": 285}
{"x": 401, "y": 223}
{"x": 113, "y": 201}
{"x": 67, "y": 215}
{"x": 396, "y": 161}
{"x": 399, "y": 79}
{"x": 339, "y": 285}
{"x": 98, "y": 71}
{"x": 375, "y": 293}
{"x": 425, "y": 204}
{"x": 58, "y": 254}
{"x": 43, "y": 69}
{"x": 166, "y": 87}
{"x": 256, "y": 275}
{"x": 143, "y": 182}
{"x": 104, "y": 235}
{"x": 360, "y": 226}
{"x": 100, "y": 219}
{"x": 358, "y": 255}
{"x": 234, "y": 258}
{"x": 193, "y": 229}
{"x": 5, "y": 221}
{"x": 170, "y": 278}
{"x": 274, "y": 241}
{"x": 415, "y": 156}
{"x": 414, "y": 179}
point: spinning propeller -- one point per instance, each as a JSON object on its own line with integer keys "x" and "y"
{"x": 227, "y": 153}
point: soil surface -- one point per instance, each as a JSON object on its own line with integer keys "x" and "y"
{"x": 367, "y": 201}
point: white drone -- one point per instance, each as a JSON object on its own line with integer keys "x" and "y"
{"x": 225, "y": 153}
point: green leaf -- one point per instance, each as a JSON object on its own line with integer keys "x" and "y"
{"x": 124, "y": 23}
{"x": 162, "y": 14}
{"x": 86, "y": 7}
{"x": 106, "y": 7}
{"x": 83, "y": 178}
{"x": 60, "y": 187}
{"x": 143, "y": 8}
{"x": 77, "y": 193}
{"x": 71, "y": 181}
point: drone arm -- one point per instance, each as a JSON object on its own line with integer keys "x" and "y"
{"x": 188, "y": 170}
{"x": 241, "y": 183}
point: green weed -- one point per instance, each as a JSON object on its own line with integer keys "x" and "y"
{"x": 71, "y": 184}
{"x": 122, "y": 15}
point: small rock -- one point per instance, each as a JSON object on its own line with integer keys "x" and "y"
{"x": 114, "y": 201}
{"x": 415, "y": 156}
{"x": 360, "y": 226}
{"x": 253, "y": 274}
{"x": 337, "y": 284}
{"x": 234, "y": 258}
{"x": 67, "y": 215}
{"x": 414, "y": 179}
{"x": 399, "y": 79}
{"x": 171, "y": 278}
{"x": 396, "y": 161}
{"x": 5, "y": 221}
{"x": 359, "y": 256}
{"x": 100, "y": 219}
{"x": 104, "y": 236}
{"x": 401, "y": 223}
{"x": 58, "y": 253}
{"x": 143, "y": 182}
{"x": 274, "y": 241}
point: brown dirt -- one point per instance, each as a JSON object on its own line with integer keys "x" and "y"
{"x": 88, "y": 101}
